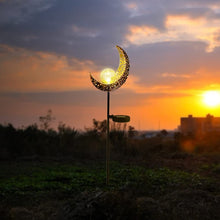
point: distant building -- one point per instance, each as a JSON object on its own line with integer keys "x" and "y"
{"x": 199, "y": 125}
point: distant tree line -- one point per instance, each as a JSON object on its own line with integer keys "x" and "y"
{"x": 41, "y": 140}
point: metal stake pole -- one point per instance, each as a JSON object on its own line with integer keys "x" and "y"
{"x": 107, "y": 141}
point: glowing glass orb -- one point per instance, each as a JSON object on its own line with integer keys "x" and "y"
{"x": 211, "y": 98}
{"x": 108, "y": 76}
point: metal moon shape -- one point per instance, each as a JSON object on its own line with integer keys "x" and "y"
{"x": 122, "y": 73}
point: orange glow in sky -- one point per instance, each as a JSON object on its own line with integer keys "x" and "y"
{"x": 173, "y": 49}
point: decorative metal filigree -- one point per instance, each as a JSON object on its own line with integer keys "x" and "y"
{"x": 122, "y": 73}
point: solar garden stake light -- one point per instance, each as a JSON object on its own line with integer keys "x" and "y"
{"x": 111, "y": 80}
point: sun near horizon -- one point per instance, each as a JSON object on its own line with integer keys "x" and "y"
{"x": 211, "y": 98}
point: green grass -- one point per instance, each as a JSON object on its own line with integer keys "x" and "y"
{"x": 32, "y": 179}
{"x": 47, "y": 178}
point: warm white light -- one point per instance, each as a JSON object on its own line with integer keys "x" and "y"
{"x": 108, "y": 76}
{"x": 211, "y": 98}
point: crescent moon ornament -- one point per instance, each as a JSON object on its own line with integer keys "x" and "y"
{"x": 113, "y": 80}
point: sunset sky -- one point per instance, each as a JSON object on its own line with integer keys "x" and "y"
{"x": 48, "y": 48}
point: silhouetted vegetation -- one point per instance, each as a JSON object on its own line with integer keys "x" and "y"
{"x": 60, "y": 174}
{"x": 42, "y": 140}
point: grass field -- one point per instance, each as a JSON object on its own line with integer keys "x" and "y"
{"x": 77, "y": 190}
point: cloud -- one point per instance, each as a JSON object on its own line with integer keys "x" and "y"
{"x": 149, "y": 62}
{"x": 19, "y": 10}
{"x": 179, "y": 67}
{"x": 174, "y": 75}
{"x": 84, "y": 31}
{"x": 142, "y": 34}
{"x": 184, "y": 27}
{"x": 133, "y": 9}
{"x": 178, "y": 28}
{"x": 48, "y": 48}
{"x": 155, "y": 69}
{"x": 25, "y": 70}
{"x": 71, "y": 28}
{"x": 76, "y": 29}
